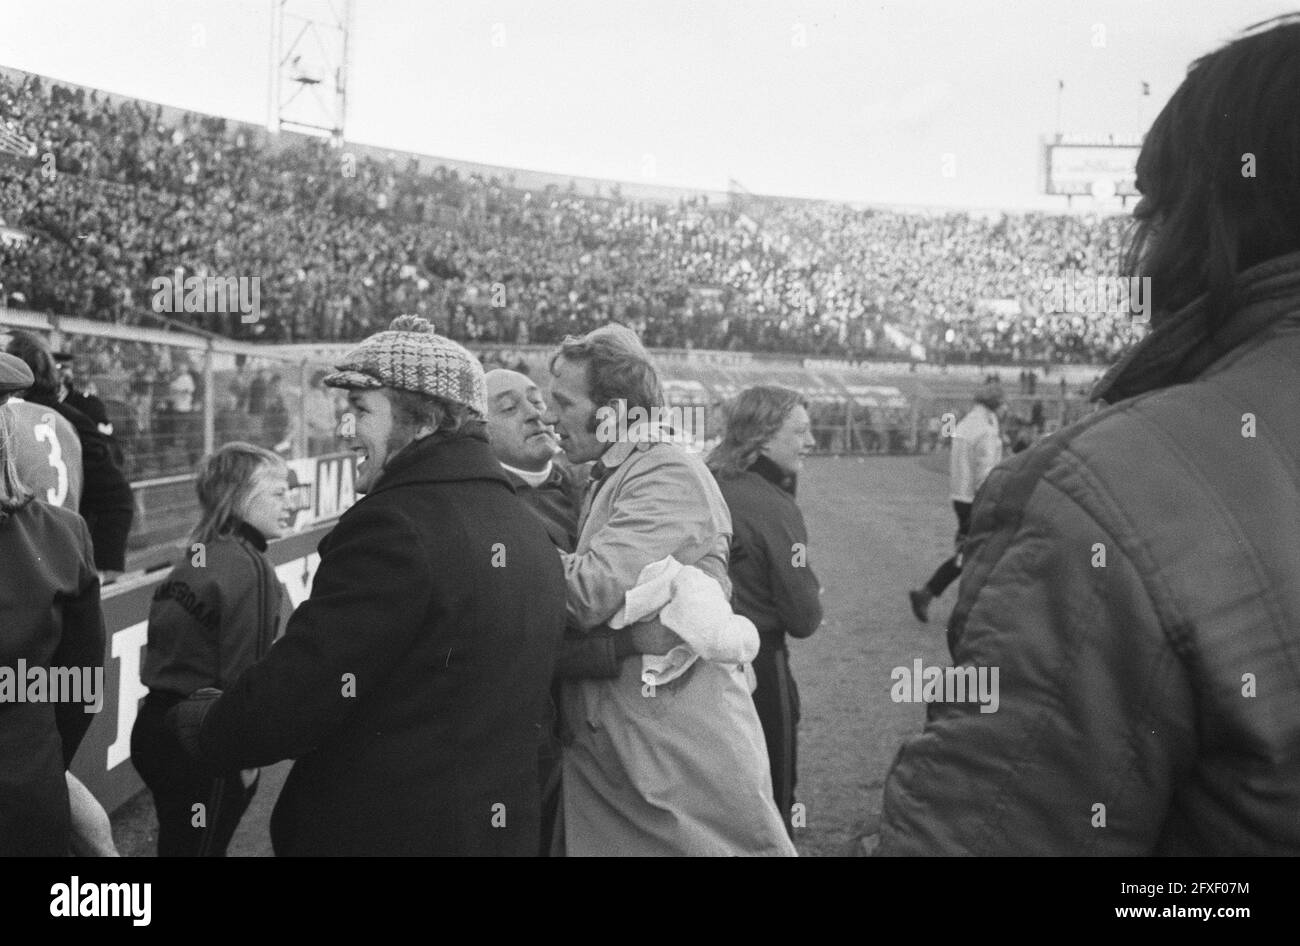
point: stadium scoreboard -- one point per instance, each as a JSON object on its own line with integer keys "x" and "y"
{"x": 1101, "y": 167}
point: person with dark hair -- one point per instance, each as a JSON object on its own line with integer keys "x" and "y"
{"x": 88, "y": 403}
{"x": 757, "y": 466}
{"x": 107, "y": 504}
{"x": 51, "y": 620}
{"x": 217, "y": 613}
{"x": 256, "y": 404}
{"x": 275, "y": 417}
{"x": 410, "y": 686}
{"x": 668, "y": 758}
{"x": 1037, "y": 419}
{"x": 976, "y": 450}
{"x": 1133, "y": 577}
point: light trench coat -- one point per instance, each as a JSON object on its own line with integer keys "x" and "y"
{"x": 683, "y": 771}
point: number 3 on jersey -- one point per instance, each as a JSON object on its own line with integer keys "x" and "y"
{"x": 44, "y": 432}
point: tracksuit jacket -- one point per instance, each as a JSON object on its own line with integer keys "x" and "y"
{"x": 214, "y": 616}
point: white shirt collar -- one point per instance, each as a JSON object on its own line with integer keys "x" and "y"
{"x": 528, "y": 476}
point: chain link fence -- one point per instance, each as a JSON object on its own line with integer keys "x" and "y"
{"x": 846, "y": 427}
{"x": 169, "y": 398}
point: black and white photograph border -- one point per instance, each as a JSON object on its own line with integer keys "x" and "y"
{"x": 536, "y": 429}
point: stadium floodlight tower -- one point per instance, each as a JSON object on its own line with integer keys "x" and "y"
{"x": 309, "y": 66}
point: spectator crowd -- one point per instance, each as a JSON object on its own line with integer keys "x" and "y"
{"x": 120, "y": 194}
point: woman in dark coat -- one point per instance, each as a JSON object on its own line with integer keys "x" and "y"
{"x": 756, "y": 465}
{"x": 49, "y": 617}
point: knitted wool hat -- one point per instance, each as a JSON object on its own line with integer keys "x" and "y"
{"x": 410, "y": 357}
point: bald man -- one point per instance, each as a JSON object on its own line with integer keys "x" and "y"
{"x": 529, "y": 452}
{"x": 526, "y": 448}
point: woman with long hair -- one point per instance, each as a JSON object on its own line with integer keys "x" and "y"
{"x": 49, "y": 618}
{"x": 756, "y": 465}
{"x": 217, "y": 613}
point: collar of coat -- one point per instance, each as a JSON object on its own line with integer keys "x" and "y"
{"x": 251, "y": 535}
{"x": 80, "y": 421}
{"x": 440, "y": 459}
{"x": 766, "y": 468}
{"x": 1185, "y": 344}
{"x": 616, "y": 455}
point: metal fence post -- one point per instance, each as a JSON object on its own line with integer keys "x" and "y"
{"x": 300, "y": 447}
{"x": 209, "y": 402}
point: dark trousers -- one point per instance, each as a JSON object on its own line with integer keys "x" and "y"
{"x": 777, "y": 700}
{"x": 109, "y": 529}
{"x": 949, "y": 571}
{"x": 178, "y": 783}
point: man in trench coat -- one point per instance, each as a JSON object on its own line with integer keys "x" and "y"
{"x": 675, "y": 769}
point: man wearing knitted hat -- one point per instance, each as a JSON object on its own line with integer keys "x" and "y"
{"x": 976, "y": 450}
{"x": 410, "y": 685}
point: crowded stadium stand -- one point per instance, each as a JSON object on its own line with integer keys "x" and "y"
{"x": 117, "y": 191}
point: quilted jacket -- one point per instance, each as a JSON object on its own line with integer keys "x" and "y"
{"x": 1136, "y": 579}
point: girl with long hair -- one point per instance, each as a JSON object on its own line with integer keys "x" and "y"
{"x": 217, "y": 613}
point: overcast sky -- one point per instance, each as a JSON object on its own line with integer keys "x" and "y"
{"x": 843, "y": 99}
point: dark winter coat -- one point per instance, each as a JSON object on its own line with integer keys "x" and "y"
{"x": 772, "y": 583}
{"x": 411, "y": 685}
{"x": 106, "y": 500}
{"x": 49, "y": 617}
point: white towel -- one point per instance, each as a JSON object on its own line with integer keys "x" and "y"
{"x": 690, "y": 603}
